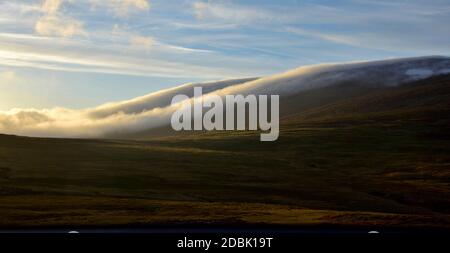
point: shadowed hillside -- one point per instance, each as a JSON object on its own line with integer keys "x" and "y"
{"x": 421, "y": 100}
{"x": 379, "y": 157}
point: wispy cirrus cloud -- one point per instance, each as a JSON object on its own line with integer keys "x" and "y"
{"x": 121, "y": 50}
{"x": 406, "y": 26}
{"x": 385, "y": 40}
{"x": 230, "y": 12}
{"x": 51, "y": 53}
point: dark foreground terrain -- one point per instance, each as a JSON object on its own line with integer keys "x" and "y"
{"x": 380, "y": 159}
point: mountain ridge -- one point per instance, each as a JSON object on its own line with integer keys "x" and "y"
{"x": 153, "y": 111}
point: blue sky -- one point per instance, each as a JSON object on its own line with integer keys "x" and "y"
{"x": 83, "y": 53}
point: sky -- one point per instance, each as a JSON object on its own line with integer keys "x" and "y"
{"x": 83, "y": 53}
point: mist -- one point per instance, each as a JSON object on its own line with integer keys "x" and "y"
{"x": 154, "y": 110}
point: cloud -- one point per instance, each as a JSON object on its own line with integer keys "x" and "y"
{"x": 150, "y": 111}
{"x": 108, "y": 64}
{"x": 119, "y": 57}
{"x": 135, "y": 40}
{"x": 385, "y": 40}
{"x": 395, "y": 27}
{"x": 154, "y": 110}
{"x": 270, "y": 14}
{"x": 51, "y": 6}
{"x": 139, "y": 4}
{"x": 70, "y": 36}
{"x": 229, "y": 12}
{"x": 54, "y": 23}
{"x": 141, "y": 41}
{"x": 335, "y": 38}
{"x": 58, "y": 25}
{"x": 121, "y": 8}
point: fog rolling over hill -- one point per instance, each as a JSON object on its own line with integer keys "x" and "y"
{"x": 153, "y": 111}
{"x": 361, "y": 144}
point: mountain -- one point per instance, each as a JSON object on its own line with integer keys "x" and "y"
{"x": 150, "y": 115}
{"x": 427, "y": 99}
{"x": 380, "y": 159}
{"x": 309, "y": 91}
{"x": 353, "y": 151}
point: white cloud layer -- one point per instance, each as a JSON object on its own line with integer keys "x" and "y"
{"x": 154, "y": 110}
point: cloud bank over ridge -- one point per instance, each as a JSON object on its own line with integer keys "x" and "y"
{"x": 154, "y": 110}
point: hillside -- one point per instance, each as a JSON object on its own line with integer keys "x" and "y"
{"x": 415, "y": 100}
{"x": 379, "y": 158}
{"x": 421, "y": 100}
{"x": 138, "y": 118}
